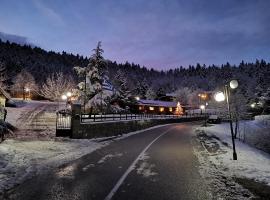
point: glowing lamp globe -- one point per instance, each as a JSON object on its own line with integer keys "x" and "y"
{"x": 64, "y": 97}
{"x": 219, "y": 96}
{"x": 69, "y": 94}
{"x": 202, "y": 107}
{"x": 234, "y": 84}
{"x": 137, "y": 98}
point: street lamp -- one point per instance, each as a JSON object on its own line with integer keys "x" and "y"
{"x": 28, "y": 90}
{"x": 220, "y": 96}
{"x": 137, "y": 98}
{"x": 69, "y": 94}
{"x": 202, "y": 107}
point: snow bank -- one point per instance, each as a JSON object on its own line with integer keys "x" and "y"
{"x": 263, "y": 120}
{"x": 252, "y": 163}
{"x": 20, "y": 160}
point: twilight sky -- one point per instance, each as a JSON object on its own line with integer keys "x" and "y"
{"x": 161, "y": 34}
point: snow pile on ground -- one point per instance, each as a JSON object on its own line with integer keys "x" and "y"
{"x": 20, "y": 160}
{"x": 263, "y": 120}
{"x": 214, "y": 153}
{"x": 256, "y": 133}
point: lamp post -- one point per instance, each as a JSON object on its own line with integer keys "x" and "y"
{"x": 28, "y": 90}
{"x": 221, "y": 96}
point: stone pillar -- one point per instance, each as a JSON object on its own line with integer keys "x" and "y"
{"x": 75, "y": 120}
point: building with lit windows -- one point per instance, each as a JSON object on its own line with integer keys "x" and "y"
{"x": 158, "y": 107}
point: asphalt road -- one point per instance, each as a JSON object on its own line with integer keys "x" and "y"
{"x": 155, "y": 164}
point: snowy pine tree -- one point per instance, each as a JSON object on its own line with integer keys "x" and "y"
{"x": 122, "y": 91}
{"x": 93, "y": 75}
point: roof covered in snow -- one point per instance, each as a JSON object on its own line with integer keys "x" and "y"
{"x": 146, "y": 102}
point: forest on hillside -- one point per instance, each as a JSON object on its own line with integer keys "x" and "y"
{"x": 253, "y": 78}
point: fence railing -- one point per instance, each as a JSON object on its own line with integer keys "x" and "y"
{"x": 88, "y": 118}
{"x": 63, "y": 120}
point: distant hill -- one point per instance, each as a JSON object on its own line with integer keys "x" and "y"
{"x": 41, "y": 64}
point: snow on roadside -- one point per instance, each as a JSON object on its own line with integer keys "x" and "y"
{"x": 19, "y": 160}
{"x": 252, "y": 163}
{"x": 216, "y": 161}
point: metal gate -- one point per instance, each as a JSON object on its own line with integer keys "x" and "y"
{"x": 63, "y": 123}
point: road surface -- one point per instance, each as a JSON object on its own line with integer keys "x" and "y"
{"x": 155, "y": 164}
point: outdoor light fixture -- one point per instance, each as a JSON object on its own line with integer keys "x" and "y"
{"x": 68, "y": 94}
{"x": 161, "y": 109}
{"x": 137, "y": 98}
{"x": 27, "y": 89}
{"x": 64, "y": 97}
{"x": 202, "y": 107}
{"x": 253, "y": 105}
{"x": 219, "y": 96}
{"x": 151, "y": 108}
{"x": 234, "y": 84}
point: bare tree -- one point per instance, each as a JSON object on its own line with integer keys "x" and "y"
{"x": 24, "y": 81}
{"x": 183, "y": 95}
{"x": 56, "y": 85}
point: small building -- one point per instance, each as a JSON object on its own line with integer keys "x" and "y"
{"x": 156, "y": 107}
{"x": 4, "y": 97}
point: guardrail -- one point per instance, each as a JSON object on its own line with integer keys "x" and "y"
{"x": 88, "y": 118}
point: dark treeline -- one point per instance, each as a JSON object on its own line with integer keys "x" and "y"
{"x": 254, "y": 78}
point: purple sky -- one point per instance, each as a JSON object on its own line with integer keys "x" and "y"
{"x": 161, "y": 34}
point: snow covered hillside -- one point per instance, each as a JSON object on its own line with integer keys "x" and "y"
{"x": 34, "y": 119}
{"x": 225, "y": 175}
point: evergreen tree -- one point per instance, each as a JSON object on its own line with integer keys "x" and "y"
{"x": 93, "y": 74}
{"x": 160, "y": 93}
{"x": 120, "y": 82}
{"x": 3, "y": 75}
{"x": 151, "y": 94}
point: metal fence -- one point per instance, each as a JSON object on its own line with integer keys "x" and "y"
{"x": 88, "y": 118}
{"x": 63, "y": 121}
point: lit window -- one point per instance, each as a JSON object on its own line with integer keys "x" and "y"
{"x": 151, "y": 108}
{"x": 170, "y": 109}
{"x": 161, "y": 109}
{"x": 140, "y": 107}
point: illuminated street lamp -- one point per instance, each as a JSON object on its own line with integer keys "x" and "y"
{"x": 202, "y": 107}
{"x": 68, "y": 94}
{"x": 28, "y": 90}
{"x": 253, "y": 105}
{"x": 64, "y": 97}
{"x": 221, "y": 96}
{"x": 137, "y": 98}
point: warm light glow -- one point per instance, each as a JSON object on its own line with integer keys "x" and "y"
{"x": 137, "y": 98}
{"x": 140, "y": 107}
{"x": 253, "y": 105}
{"x": 68, "y": 94}
{"x": 170, "y": 109}
{"x": 219, "y": 96}
{"x": 27, "y": 89}
{"x": 151, "y": 108}
{"x": 161, "y": 109}
{"x": 234, "y": 84}
{"x": 202, "y": 107}
{"x": 64, "y": 97}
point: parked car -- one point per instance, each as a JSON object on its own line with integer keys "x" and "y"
{"x": 214, "y": 119}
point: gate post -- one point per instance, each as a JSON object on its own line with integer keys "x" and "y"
{"x": 75, "y": 120}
